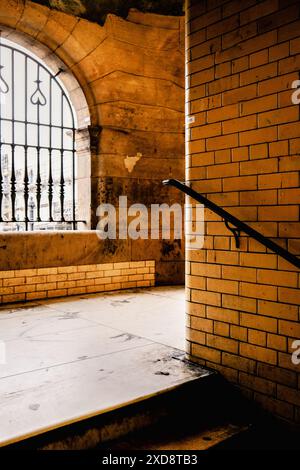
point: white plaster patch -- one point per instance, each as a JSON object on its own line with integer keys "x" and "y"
{"x": 130, "y": 162}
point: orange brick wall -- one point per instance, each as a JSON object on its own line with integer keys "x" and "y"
{"x": 243, "y": 153}
{"x": 47, "y": 283}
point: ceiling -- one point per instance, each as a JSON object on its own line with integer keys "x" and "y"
{"x": 97, "y": 10}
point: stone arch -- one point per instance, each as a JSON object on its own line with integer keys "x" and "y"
{"x": 22, "y": 23}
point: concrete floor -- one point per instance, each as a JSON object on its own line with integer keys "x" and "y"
{"x": 73, "y": 358}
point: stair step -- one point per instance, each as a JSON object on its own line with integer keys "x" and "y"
{"x": 40, "y": 402}
{"x": 183, "y": 439}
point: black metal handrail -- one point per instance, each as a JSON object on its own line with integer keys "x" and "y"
{"x": 238, "y": 225}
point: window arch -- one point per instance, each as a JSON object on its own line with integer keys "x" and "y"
{"x": 38, "y": 165}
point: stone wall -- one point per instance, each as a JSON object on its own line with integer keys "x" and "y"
{"x": 132, "y": 75}
{"x": 243, "y": 153}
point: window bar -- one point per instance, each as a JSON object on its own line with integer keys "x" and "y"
{"x": 13, "y": 146}
{"x": 50, "y": 180}
{"x": 74, "y": 175}
{"x": 26, "y": 178}
{"x": 62, "y": 180}
{"x": 38, "y": 177}
{"x": 1, "y": 175}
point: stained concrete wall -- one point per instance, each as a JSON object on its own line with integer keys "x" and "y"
{"x": 132, "y": 75}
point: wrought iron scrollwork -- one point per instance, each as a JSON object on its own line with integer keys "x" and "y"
{"x": 4, "y": 88}
{"x": 38, "y": 97}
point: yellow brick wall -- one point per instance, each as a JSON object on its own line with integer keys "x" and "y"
{"x": 47, "y": 283}
{"x": 243, "y": 153}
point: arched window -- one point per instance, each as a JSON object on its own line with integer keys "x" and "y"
{"x": 37, "y": 145}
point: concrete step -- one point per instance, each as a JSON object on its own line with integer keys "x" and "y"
{"x": 196, "y": 411}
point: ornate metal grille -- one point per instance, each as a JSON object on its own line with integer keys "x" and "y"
{"x": 37, "y": 146}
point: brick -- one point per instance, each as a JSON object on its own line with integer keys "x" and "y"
{"x": 259, "y": 58}
{"x": 288, "y": 328}
{"x": 195, "y": 282}
{"x": 240, "y": 64}
{"x": 277, "y": 278}
{"x": 288, "y": 394}
{"x": 36, "y": 279}
{"x": 279, "y": 149}
{"x": 279, "y": 51}
{"x": 224, "y": 84}
{"x": 258, "y": 353}
{"x": 63, "y": 270}
{"x": 6, "y": 290}
{"x": 257, "y": 74}
{"x": 13, "y": 282}
{"x": 240, "y": 94}
{"x": 222, "y": 257}
{"x": 259, "y": 105}
{"x": 207, "y": 298}
{"x": 238, "y": 332}
{"x": 279, "y": 116}
{"x": 258, "y": 322}
{"x": 222, "y": 70}
{"x": 202, "y": 77}
{"x": 57, "y": 293}
{"x": 256, "y": 383}
{"x": 265, "y": 166}
{"x": 223, "y": 315}
{"x": 195, "y": 336}
{"x": 276, "y": 84}
{"x": 259, "y": 151}
{"x": 36, "y": 295}
{"x": 225, "y": 170}
{"x": 200, "y": 64}
{"x": 222, "y": 114}
{"x": 85, "y": 268}
{"x": 239, "y": 303}
{"x": 239, "y": 124}
{"x": 276, "y": 374}
{"x": 223, "y": 286}
{"x": 206, "y": 19}
{"x": 257, "y": 337}
{"x": 238, "y": 362}
{"x": 202, "y": 324}
{"x": 204, "y": 352}
{"x": 224, "y": 344}
{"x": 278, "y": 310}
{"x": 258, "y": 11}
{"x": 277, "y": 342}
{"x": 206, "y": 269}
{"x": 289, "y": 64}
{"x": 263, "y": 197}
{"x": 288, "y": 131}
{"x": 290, "y": 296}
{"x": 222, "y": 142}
{"x": 25, "y": 272}
{"x": 46, "y": 286}
{"x": 289, "y": 229}
{"x": 204, "y": 132}
{"x": 277, "y": 407}
{"x": 291, "y": 163}
{"x": 110, "y": 266}
{"x": 278, "y": 181}
{"x": 49, "y": 271}
{"x": 13, "y": 298}
{"x": 222, "y": 156}
{"x": 240, "y": 154}
{"x": 258, "y": 136}
{"x": 221, "y": 329}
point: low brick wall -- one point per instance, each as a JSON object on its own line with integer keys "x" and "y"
{"x": 46, "y": 283}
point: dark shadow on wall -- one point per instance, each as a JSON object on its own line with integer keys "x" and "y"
{"x": 97, "y": 10}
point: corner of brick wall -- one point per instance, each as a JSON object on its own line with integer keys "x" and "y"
{"x": 243, "y": 153}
